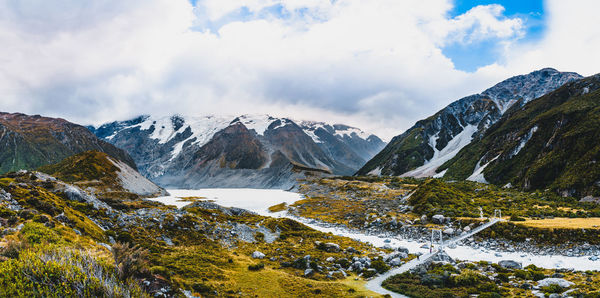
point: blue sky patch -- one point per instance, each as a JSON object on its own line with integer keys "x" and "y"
{"x": 472, "y": 56}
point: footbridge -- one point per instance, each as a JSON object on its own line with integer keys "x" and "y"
{"x": 375, "y": 283}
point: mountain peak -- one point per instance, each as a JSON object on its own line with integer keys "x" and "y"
{"x": 430, "y": 142}
{"x": 528, "y": 86}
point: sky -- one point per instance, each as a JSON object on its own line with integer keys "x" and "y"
{"x": 380, "y": 65}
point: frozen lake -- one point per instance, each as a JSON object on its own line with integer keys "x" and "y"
{"x": 259, "y": 200}
{"x": 255, "y": 200}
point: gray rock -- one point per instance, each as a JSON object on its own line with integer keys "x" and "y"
{"x": 402, "y": 249}
{"x": 330, "y": 259}
{"x": 554, "y": 281}
{"x": 309, "y": 272}
{"x": 437, "y": 219}
{"x": 396, "y": 262}
{"x": 449, "y": 231}
{"x": 510, "y": 264}
{"x": 258, "y": 255}
{"x": 331, "y": 247}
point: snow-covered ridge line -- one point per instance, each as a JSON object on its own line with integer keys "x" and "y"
{"x": 338, "y": 130}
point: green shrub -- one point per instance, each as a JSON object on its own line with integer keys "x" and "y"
{"x": 256, "y": 267}
{"x": 514, "y": 217}
{"x": 380, "y": 265}
{"x": 468, "y": 278}
{"x": 62, "y": 273}
{"x": 36, "y": 233}
{"x": 129, "y": 260}
{"x": 523, "y": 274}
{"x": 553, "y": 288}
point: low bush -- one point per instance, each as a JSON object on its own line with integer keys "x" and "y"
{"x": 129, "y": 260}
{"x": 57, "y": 272}
{"x": 256, "y": 267}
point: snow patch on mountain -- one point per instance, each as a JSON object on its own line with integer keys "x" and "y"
{"x": 441, "y": 156}
{"x": 477, "y": 175}
{"x": 440, "y": 174}
{"x": 338, "y": 130}
{"x": 523, "y": 142}
{"x": 258, "y": 123}
{"x": 375, "y": 172}
{"x": 349, "y": 131}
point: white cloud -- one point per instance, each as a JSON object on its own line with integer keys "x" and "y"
{"x": 571, "y": 42}
{"x": 484, "y": 22}
{"x": 374, "y": 64}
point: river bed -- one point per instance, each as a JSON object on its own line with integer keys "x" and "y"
{"x": 259, "y": 200}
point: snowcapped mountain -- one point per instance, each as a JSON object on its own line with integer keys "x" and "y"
{"x": 244, "y": 151}
{"x": 346, "y": 144}
{"x": 549, "y": 143}
{"x": 431, "y": 142}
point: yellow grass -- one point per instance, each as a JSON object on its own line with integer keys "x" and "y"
{"x": 277, "y": 283}
{"x": 191, "y": 199}
{"x": 278, "y": 207}
{"x": 561, "y": 222}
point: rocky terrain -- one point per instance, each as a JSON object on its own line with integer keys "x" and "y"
{"x": 246, "y": 151}
{"x": 405, "y": 208}
{"x": 148, "y": 249}
{"x": 98, "y": 173}
{"x": 506, "y": 278}
{"x": 423, "y": 148}
{"x": 28, "y": 142}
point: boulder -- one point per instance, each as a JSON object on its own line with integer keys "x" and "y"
{"x": 332, "y": 247}
{"x": 437, "y": 219}
{"x": 309, "y": 272}
{"x": 396, "y": 262}
{"x": 330, "y": 259}
{"x": 449, "y": 231}
{"x": 555, "y": 281}
{"x": 402, "y": 249}
{"x": 258, "y": 255}
{"x": 510, "y": 264}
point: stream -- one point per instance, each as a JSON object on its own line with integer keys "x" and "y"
{"x": 259, "y": 200}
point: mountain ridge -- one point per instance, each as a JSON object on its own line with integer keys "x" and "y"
{"x": 417, "y": 151}
{"x": 549, "y": 142}
{"x": 219, "y": 151}
{"x": 28, "y": 142}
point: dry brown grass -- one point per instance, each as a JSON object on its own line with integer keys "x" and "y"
{"x": 561, "y": 222}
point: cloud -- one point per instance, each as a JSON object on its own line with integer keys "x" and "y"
{"x": 570, "y": 42}
{"x": 377, "y": 65}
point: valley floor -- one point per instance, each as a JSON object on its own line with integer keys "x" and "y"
{"x": 259, "y": 201}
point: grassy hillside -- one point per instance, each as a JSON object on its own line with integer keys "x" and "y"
{"x": 558, "y": 139}
{"x": 53, "y": 245}
{"x": 29, "y": 142}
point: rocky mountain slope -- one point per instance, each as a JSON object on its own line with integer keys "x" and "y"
{"x": 27, "y": 142}
{"x": 97, "y": 173}
{"x": 550, "y": 142}
{"x": 246, "y": 151}
{"x": 423, "y": 148}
